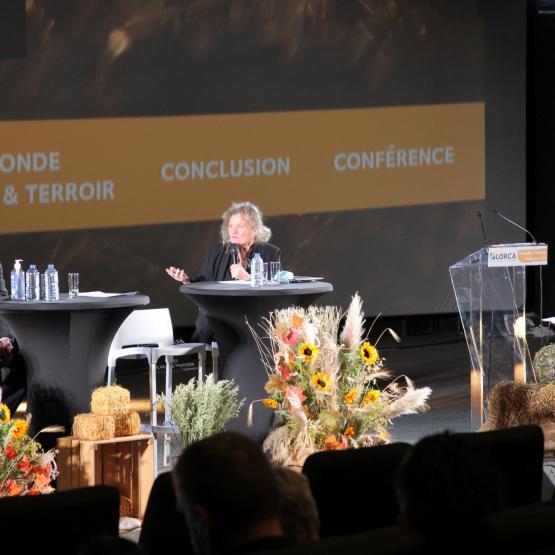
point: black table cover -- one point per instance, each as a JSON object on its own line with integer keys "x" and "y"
{"x": 65, "y": 346}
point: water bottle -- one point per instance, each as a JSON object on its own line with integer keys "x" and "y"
{"x": 32, "y": 283}
{"x": 18, "y": 281}
{"x": 51, "y": 287}
{"x": 257, "y": 271}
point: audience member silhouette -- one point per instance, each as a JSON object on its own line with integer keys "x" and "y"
{"x": 297, "y": 508}
{"x": 226, "y": 489}
{"x": 14, "y": 384}
{"x": 445, "y": 489}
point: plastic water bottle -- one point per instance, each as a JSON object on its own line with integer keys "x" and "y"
{"x": 51, "y": 287}
{"x": 18, "y": 281}
{"x": 257, "y": 271}
{"x": 32, "y": 283}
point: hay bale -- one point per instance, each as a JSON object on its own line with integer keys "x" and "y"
{"x": 111, "y": 400}
{"x": 93, "y": 426}
{"x": 519, "y": 404}
{"x": 509, "y": 405}
{"x": 542, "y": 404}
{"x": 127, "y": 424}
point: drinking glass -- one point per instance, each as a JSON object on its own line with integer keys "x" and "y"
{"x": 275, "y": 268}
{"x": 265, "y": 273}
{"x": 73, "y": 285}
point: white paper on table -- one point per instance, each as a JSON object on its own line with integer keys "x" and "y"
{"x": 236, "y": 282}
{"x": 103, "y": 294}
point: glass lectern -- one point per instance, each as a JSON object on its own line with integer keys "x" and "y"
{"x": 490, "y": 289}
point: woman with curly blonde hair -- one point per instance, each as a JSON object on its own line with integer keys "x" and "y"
{"x": 242, "y": 234}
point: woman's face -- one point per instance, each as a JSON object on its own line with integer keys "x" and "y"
{"x": 240, "y": 231}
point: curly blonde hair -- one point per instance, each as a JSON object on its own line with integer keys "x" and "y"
{"x": 253, "y": 215}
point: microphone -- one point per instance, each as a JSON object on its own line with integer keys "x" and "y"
{"x": 497, "y": 213}
{"x": 483, "y": 230}
{"x": 234, "y": 253}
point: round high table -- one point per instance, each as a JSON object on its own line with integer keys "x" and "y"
{"x": 65, "y": 347}
{"x": 228, "y": 306}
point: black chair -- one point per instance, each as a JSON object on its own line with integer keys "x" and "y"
{"x": 391, "y": 540}
{"x": 59, "y": 522}
{"x": 354, "y": 489}
{"x": 517, "y": 454}
{"x": 164, "y": 527}
{"x": 523, "y": 530}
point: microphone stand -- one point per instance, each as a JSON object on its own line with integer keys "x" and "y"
{"x": 497, "y": 213}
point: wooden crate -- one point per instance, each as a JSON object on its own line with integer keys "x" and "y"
{"x": 124, "y": 462}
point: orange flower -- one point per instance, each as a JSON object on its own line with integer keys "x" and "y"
{"x": 19, "y": 428}
{"x": 14, "y": 488}
{"x": 33, "y": 491}
{"x": 297, "y": 391}
{"x": 11, "y": 453}
{"x": 41, "y": 480}
{"x": 351, "y": 396}
{"x": 275, "y": 384}
{"x": 297, "y": 320}
{"x": 349, "y": 432}
{"x": 331, "y": 443}
{"x": 371, "y": 396}
{"x": 270, "y": 404}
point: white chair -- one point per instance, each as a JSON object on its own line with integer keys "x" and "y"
{"x": 149, "y": 333}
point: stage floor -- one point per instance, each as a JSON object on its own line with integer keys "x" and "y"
{"x": 436, "y": 360}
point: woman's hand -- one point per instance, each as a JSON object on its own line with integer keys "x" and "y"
{"x": 178, "y": 274}
{"x": 238, "y": 272}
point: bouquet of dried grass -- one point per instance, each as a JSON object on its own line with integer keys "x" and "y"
{"x": 325, "y": 387}
{"x": 201, "y": 409}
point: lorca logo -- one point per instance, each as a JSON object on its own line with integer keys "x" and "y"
{"x": 502, "y": 256}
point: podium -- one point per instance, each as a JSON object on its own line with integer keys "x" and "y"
{"x": 490, "y": 290}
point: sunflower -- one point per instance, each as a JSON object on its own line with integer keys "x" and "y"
{"x": 308, "y": 351}
{"x": 270, "y": 404}
{"x": 369, "y": 353}
{"x": 4, "y": 413}
{"x": 351, "y": 396}
{"x": 321, "y": 381}
{"x": 371, "y": 396}
{"x": 19, "y": 428}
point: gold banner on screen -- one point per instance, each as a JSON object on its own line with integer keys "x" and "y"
{"x": 74, "y": 174}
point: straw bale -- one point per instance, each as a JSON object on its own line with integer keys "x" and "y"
{"x": 519, "y": 404}
{"x": 542, "y": 404}
{"x": 93, "y": 426}
{"x": 127, "y": 424}
{"x": 508, "y": 405}
{"x": 110, "y": 400}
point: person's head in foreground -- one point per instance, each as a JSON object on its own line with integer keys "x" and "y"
{"x": 297, "y": 508}
{"x": 226, "y": 489}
